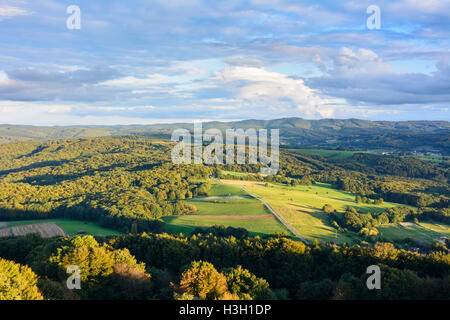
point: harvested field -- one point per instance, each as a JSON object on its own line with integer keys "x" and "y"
{"x": 45, "y": 230}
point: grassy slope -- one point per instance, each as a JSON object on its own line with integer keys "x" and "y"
{"x": 301, "y": 208}
{"x": 70, "y": 227}
{"x": 439, "y": 228}
{"x": 426, "y": 232}
{"x": 220, "y": 189}
{"x": 221, "y": 204}
{"x": 236, "y": 174}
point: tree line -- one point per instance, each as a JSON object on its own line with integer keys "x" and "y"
{"x": 208, "y": 266}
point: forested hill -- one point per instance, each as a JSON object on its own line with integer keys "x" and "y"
{"x": 325, "y": 133}
{"x": 126, "y": 183}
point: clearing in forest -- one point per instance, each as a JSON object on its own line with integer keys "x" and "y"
{"x": 230, "y": 206}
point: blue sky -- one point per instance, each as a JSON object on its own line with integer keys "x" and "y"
{"x": 138, "y": 62}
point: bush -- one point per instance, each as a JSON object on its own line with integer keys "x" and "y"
{"x": 328, "y": 208}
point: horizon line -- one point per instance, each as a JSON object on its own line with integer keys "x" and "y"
{"x": 192, "y": 121}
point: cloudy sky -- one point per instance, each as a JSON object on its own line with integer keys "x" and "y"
{"x": 137, "y": 62}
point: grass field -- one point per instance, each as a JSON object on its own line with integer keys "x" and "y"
{"x": 426, "y": 232}
{"x": 236, "y": 174}
{"x": 302, "y": 206}
{"x": 439, "y": 228}
{"x": 220, "y": 189}
{"x": 230, "y": 206}
{"x": 70, "y": 227}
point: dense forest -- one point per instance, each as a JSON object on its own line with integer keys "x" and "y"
{"x": 210, "y": 266}
{"x": 118, "y": 182}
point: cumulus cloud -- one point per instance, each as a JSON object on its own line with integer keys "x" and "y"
{"x": 263, "y": 88}
{"x": 363, "y": 77}
{"x": 350, "y": 63}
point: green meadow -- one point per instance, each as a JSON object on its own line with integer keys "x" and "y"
{"x": 439, "y": 228}
{"x": 70, "y": 227}
{"x": 220, "y": 189}
{"x": 230, "y": 206}
{"x": 301, "y": 207}
{"x": 255, "y": 226}
{"x": 237, "y": 174}
{"x": 426, "y": 232}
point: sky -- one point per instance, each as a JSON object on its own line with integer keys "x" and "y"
{"x": 165, "y": 61}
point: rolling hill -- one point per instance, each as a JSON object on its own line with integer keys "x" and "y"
{"x": 325, "y": 133}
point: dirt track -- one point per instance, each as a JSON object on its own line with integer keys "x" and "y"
{"x": 241, "y": 183}
{"x": 278, "y": 216}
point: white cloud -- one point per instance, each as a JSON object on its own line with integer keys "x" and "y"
{"x": 363, "y": 61}
{"x": 3, "y": 76}
{"x": 7, "y": 12}
{"x": 35, "y": 113}
{"x": 268, "y": 89}
{"x": 108, "y": 109}
{"x": 135, "y": 82}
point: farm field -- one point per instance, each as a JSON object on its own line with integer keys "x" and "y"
{"x": 70, "y": 227}
{"x": 45, "y": 230}
{"x": 301, "y": 207}
{"x": 425, "y": 232}
{"x": 230, "y": 206}
{"x": 440, "y": 228}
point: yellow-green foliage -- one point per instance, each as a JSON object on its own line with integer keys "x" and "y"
{"x": 17, "y": 282}
{"x": 92, "y": 259}
{"x": 246, "y": 285}
{"x": 202, "y": 280}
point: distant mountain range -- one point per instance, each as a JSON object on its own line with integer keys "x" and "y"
{"x": 294, "y": 132}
